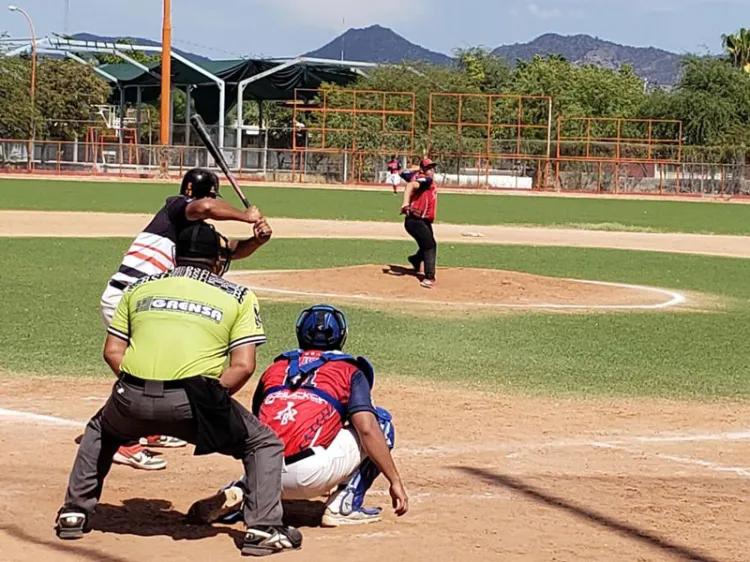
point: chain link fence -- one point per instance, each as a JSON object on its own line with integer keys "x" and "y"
{"x": 266, "y": 155}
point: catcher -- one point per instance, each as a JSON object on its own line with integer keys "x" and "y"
{"x": 317, "y": 400}
{"x": 152, "y": 252}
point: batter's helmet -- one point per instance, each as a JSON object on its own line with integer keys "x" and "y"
{"x": 321, "y": 327}
{"x": 199, "y": 183}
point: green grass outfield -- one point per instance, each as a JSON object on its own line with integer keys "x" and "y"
{"x": 480, "y": 209}
{"x": 50, "y": 292}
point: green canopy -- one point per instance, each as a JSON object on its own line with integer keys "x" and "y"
{"x": 279, "y": 86}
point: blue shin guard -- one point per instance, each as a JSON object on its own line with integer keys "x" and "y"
{"x": 350, "y": 497}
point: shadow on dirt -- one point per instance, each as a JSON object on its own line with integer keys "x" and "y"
{"x": 303, "y": 513}
{"x": 619, "y": 527}
{"x": 56, "y": 545}
{"x": 153, "y": 517}
{"x": 400, "y": 270}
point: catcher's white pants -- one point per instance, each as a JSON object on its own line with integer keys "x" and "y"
{"x": 110, "y": 299}
{"x": 394, "y": 180}
{"x": 317, "y": 475}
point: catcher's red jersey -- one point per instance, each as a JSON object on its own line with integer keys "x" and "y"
{"x": 299, "y": 417}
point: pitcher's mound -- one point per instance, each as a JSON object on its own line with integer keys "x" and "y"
{"x": 456, "y": 287}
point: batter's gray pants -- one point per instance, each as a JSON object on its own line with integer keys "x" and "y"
{"x": 130, "y": 414}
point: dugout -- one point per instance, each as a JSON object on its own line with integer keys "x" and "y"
{"x": 214, "y": 88}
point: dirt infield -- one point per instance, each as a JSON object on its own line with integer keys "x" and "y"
{"x": 491, "y": 478}
{"x": 460, "y": 289}
{"x": 80, "y": 224}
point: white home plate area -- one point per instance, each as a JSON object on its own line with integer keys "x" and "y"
{"x": 457, "y": 287}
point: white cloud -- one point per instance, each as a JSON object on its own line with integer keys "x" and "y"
{"x": 542, "y": 12}
{"x": 335, "y": 15}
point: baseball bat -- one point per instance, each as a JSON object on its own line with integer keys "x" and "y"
{"x": 200, "y": 127}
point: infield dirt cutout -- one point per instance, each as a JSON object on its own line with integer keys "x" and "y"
{"x": 491, "y": 477}
{"x": 457, "y": 288}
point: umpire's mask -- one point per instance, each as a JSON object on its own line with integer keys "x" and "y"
{"x": 201, "y": 243}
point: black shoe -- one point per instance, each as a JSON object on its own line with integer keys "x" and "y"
{"x": 71, "y": 523}
{"x": 415, "y": 263}
{"x": 262, "y": 541}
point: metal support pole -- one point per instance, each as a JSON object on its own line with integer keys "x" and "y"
{"x": 121, "y": 132}
{"x": 265, "y": 155}
{"x": 188, "y": 113}
{"x": 222, "y": 111}
{"x": 138, "y": 104}
{"x": 549, "y": 129}
{"x": 240, "y": 119}
{"x": 262, "y": 127}
{"x": 32, "y": 92}
{"x": 171, "y": 118}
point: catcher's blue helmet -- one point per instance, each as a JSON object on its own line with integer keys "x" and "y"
{"x": 321, "y": 327}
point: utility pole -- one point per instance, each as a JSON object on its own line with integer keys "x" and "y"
{"x": 166, "y": 72}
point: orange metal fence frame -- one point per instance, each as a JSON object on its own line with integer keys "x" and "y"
{"x": 525, "y": 123}
{"x": 487, "y": 124}
{"x": 319, "y": 118}
{"x": 659, "y": 149}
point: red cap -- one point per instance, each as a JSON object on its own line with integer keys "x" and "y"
{"x": 427, "y": 163}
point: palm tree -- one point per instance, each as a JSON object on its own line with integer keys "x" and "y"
{"x": 737, "y": 46}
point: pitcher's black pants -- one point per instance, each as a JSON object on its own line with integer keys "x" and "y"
{"x": 421, "y": 230}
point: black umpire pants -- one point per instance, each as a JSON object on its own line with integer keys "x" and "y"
{"x": 132, "y": 412}
{"x": 421, "y": 230}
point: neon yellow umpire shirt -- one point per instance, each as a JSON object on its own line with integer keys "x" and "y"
{"x": 183, "y": 323}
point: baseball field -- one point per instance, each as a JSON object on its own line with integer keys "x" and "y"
{"x": 575, "y": 388}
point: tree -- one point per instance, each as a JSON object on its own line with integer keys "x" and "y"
{"x": 737, "y": 46}
{"x": 580, "y": 91}
{"x": 15, "y": 102}
{"x": 66, "y": 92}
{"x": 422, "y": 79}
{"x": 713, "y": 102}
{"x": 484, "y": 70}
{"x": 4, "y": 46}
{"x": 139, "y": 56}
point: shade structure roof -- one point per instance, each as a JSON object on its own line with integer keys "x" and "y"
{"x": 277, "y": 86}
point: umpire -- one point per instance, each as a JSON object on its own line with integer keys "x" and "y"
{"x": 167, "y": 344}
{"x": 420, "y": 208}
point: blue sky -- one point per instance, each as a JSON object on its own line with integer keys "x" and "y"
{"x": 226, "y": 28}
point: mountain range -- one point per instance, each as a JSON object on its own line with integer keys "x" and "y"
{"x": 383, "y": 45}
{"x": 380, "y": 44}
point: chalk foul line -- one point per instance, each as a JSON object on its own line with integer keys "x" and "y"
{"x": 40, "y": 419}
{"x": 624, "y": 443}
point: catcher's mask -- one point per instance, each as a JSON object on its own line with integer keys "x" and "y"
{"x": 199, "y": 183}
{"x": 202, "y": 242}
{"x": 321, "y": 327}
